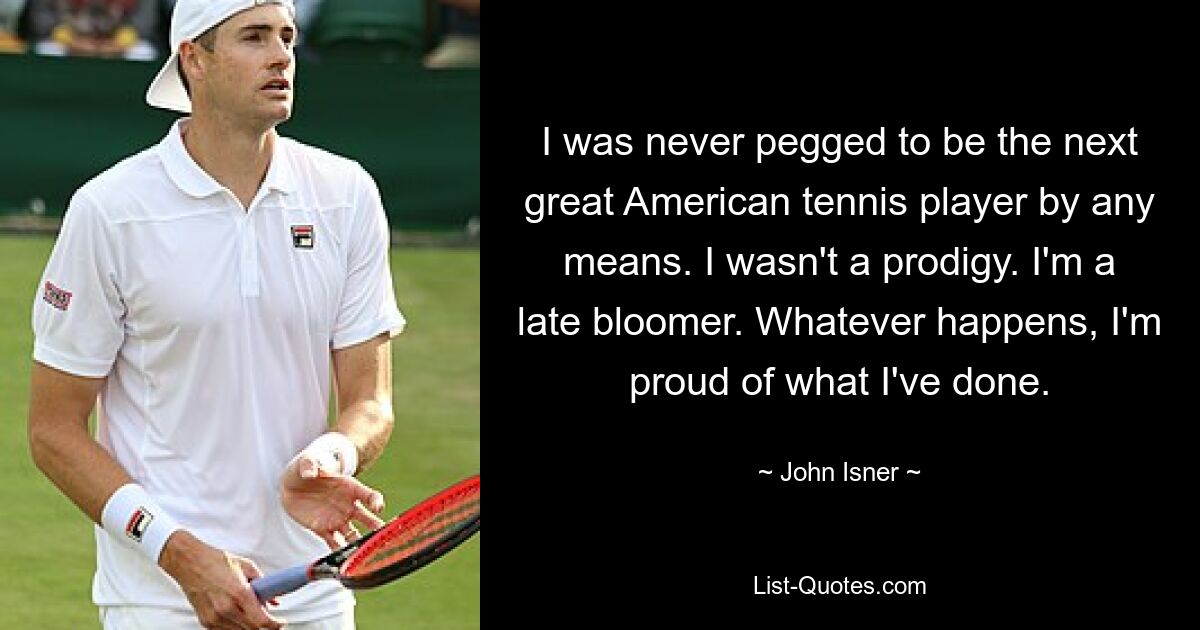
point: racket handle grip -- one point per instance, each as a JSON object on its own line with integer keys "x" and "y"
{"x": 280, "y": 583}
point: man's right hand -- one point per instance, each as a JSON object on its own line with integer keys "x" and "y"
{"x": 217, "y": 583}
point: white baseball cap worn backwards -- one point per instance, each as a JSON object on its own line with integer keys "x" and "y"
{"x": 188, "y": 21}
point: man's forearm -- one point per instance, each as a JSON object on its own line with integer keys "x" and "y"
{"x": 77, "y": 464}
{"x": 62, "y": 448}
{"x": 369, "y": 425}
{"x": 364, "y": 390}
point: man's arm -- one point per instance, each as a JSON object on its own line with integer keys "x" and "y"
{"x": 317, "y": 491}
{"x": 63, "y": 449}
{"x": 363, "y": 373}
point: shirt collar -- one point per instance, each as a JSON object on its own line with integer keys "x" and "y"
{"x": 194, "y": 181}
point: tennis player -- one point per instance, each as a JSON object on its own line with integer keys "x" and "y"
{"x": 203, "y": 292}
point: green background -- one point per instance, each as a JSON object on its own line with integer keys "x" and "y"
{"x": 64, "y": 120}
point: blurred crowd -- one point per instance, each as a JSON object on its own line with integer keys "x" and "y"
{"x": 458, "y": 44}
{"x": 138, "y": 29}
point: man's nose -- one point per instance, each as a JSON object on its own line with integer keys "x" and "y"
{"x": 281, "y": 53}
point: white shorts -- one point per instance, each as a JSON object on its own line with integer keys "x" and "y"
{"x": 150, "y": 618}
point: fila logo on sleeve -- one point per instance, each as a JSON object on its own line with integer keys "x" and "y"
{"x": 138, "y": 524}
{"x": 302, "y": 236}
{"x": 56, "y": 297}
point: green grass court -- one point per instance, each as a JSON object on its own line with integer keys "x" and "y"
{"x": 49, "y": 557}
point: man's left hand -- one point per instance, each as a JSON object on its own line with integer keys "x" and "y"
{"x": 327, "y": 502}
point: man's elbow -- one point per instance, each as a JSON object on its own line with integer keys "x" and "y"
{"x": 41, "y": 444}
{"x": 52, "y": 443}
{"x": 386, "y": 418}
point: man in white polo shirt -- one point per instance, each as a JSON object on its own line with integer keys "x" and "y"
{"x": 202, "y": 290}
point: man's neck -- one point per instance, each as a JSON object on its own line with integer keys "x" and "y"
{"x": 235, "y": 156}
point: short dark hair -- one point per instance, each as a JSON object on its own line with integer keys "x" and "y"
{"x": 207, "y": 39}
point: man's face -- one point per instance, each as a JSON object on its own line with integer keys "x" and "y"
{"x": 251, "y": 71}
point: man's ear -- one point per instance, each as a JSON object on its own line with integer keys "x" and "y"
{"x": 189, "y": 61}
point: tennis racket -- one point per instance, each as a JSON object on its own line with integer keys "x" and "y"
{"x": 424, "y": 533}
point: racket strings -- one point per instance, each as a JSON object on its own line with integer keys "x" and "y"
{"x": 427, "y": 534}
{"x": 419, "y": 532}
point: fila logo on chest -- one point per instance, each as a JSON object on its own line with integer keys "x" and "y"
{"x": 303, "y": 236}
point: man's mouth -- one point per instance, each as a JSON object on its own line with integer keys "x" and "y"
{"x": 277, "y": 85}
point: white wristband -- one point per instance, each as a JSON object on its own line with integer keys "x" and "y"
{"x": 334, "y": 452}
{"x": 133, "y": 518}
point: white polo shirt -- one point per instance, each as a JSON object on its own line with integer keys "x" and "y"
{"x": 214, "y": 325}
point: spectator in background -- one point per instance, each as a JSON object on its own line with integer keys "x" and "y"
{"x": 459, "y": 47}
{"x": 95, "y": 28}
{"x": 10, "y": 14}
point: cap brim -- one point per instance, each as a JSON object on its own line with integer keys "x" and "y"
{"x": 166, "y": 91}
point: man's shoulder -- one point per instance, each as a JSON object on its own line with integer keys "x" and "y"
{"x": 331, "y": 180}
{"x": 316, "y": 159}
{"x": 122, "y": 179}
